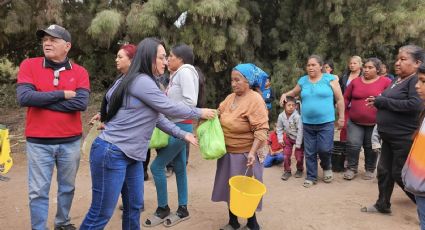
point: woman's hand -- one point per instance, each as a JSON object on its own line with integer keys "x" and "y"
{"x": 370, "y": 101}
{"x": 282, "y": 99}
{"x": 250, "y": 160}
{"x": 94, "y": 119}
{"x": 191, "y": 139}
{"x": 340, "y": 123}
{"x": 208, "y": 113}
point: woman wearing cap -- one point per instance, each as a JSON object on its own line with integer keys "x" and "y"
{"x": 135, "y": 106}
{"x": 318, "y": 92}
{"x": 243, "y": 117}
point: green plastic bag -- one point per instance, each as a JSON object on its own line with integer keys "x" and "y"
{"x": 211, "y": 139}
{"x": 159, "y": 139}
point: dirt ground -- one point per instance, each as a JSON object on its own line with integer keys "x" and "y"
{"x": 286, "y": 205}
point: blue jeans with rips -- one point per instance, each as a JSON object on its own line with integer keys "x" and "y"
{"x": 41, "y": 162}
{"x": 174, "y": 152}
{"x": 318, "y": 140}
{"x": 112, "y": 173}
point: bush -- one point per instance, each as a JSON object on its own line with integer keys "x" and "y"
{"x": 8, "y": 71}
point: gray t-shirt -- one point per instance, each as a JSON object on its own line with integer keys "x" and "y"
{"x": 143, "y": 108}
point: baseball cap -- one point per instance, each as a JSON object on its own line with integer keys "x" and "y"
{"x": 55, "y": 31}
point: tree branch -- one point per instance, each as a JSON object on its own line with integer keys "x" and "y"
{"x": 4, "y": 2}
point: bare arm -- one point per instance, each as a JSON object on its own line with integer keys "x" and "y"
{"x": 293, "y": 92}
{"x": 253, "y": 152}
{"x": 339, "y": 102}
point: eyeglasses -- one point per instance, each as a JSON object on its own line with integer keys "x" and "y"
{"x": 56, "y": 76}
{"x": 163, "y": 58}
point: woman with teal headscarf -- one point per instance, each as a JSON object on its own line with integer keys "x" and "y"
{"x": 243, "y": 117}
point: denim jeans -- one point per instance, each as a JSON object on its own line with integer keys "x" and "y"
{"x": 358, "y": 136}
{"x": 41, "y": 162}
{"x": 112, "y": 173}
{"x": 394, "y": 152}
{"x": 420, "y": 205}
{"x": 376, "y": 139}
{"x": 270, "y": 160}
{"x": 318, "y": 140}
{"x": 175, "y": 153}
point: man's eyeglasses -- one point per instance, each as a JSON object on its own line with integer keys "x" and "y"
{"x": 56, "y": 76}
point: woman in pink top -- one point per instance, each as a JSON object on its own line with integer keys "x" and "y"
{"x": 362, "y": 119}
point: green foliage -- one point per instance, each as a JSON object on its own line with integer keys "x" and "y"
{"x": 8, "y": 71}
{"x": 210, "y": 9}
{"x": 104, "y": 26}
{"x": 276, "y": 35}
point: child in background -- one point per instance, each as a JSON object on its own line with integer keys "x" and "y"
{"x": 275, "y": 155}
{"x": 290, "y": 133}
{"x": 268, "y": 96}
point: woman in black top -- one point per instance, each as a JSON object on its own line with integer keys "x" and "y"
{"x": 398, "y": 107}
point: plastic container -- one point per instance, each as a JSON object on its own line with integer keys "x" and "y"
{"x": 245, "y": 195}
{"x": 338, "y": 156}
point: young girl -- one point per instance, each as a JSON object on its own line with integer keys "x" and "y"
{"x": 290, "y": 133}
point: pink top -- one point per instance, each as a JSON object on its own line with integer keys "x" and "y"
{"x": 355, "y": 99}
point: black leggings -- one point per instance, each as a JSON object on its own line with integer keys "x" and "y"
{"x": 394, "y": 153}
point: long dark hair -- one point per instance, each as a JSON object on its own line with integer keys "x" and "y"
{"x": 185, "y": 52}
{"x": 141, "y": 64}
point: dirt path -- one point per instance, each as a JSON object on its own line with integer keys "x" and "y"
{"x": 287, "y": 205}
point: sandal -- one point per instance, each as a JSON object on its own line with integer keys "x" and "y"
{"x": 153, "y": 221}
{"x": 174, "y": 219}
{"x": 328, "y": 176}
{"x": 368, "y": 175}
{"x": 349, "y": 174}
{"x": 247, "y": 228}
{"x": 228, "y": 227}
{"x": 374, "y": 209}
{"x": 308, "y": 183}
{"x": 181, "y": 215}
{"x": 158, "y": 217}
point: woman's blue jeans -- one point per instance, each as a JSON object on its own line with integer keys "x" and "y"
{"x": 174, "y": 152}
{"x": 112, "y": 173}
{"x": 318, "y": 140}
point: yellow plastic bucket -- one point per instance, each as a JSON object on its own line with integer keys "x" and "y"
{"x": 245, "y": 195}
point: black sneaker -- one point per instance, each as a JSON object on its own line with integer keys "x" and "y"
{"x": 298, "y": 174}
{"x": 182, "y": 211}
{"x": 66, "y": 227}
{"x": 162, "y": 212}
{"x": 286, "y": 175}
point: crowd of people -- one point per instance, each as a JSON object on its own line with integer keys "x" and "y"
{"x": 373, "y": 109}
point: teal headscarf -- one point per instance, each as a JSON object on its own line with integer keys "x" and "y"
{"x": 256, "y": 77}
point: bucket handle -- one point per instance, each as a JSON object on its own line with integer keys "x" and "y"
{"x": 246, "y": 172}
